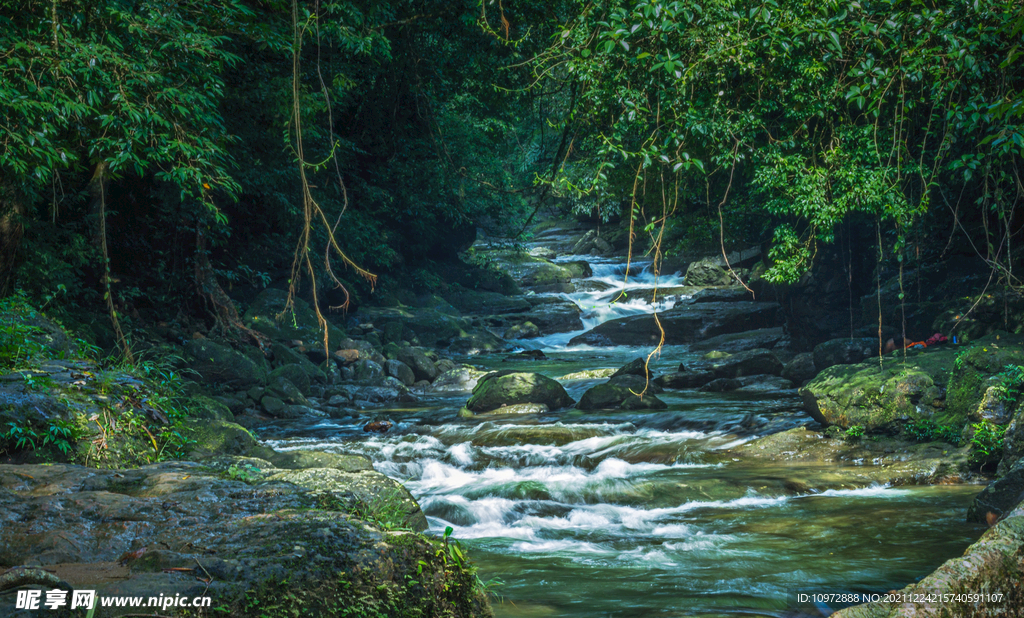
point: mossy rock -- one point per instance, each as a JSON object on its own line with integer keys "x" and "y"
{"x": 298, "y": 460}
{"x": 211, "y": 438}
{"x": 299, "y": 322}
{"x": 503, "y": 388}
{"x": 294, "y": 375}
{"x": 218, "y": 364}
{"x": 975, "y": 368}
{"x": 209, "y": 408}
{"x": 876, "y": 399}
{"x": 368, "y": 494}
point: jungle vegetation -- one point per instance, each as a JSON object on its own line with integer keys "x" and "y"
{"x": 159, "y": 155}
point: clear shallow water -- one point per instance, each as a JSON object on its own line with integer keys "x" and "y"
{"x": 637, "y": 514}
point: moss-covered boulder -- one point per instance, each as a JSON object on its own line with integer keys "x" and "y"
{"x": 368, "y": 492}
{"x": 267, "y": 315}
{"x": 977, "y": 368}
{"x": 883, "y": 398}
{"x": 504, "y": 388}
{"x": 217, "y": 364}
{"x": 209, "y": 408}
{"x": 210, "y": 438}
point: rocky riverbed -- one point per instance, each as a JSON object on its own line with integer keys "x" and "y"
{"x": 520, "y": 408}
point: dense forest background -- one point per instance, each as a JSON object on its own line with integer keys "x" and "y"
{"x": 164, "y": 160}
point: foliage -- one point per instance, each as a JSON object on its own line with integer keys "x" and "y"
{"x": 987, "y": 443}
{"x": 58, "y": 436}
{"x": 854, "y": 432}
{"x": 806, "y": 112}
{"x": 926, "y": 430}
{"x": 1010, "y": 383}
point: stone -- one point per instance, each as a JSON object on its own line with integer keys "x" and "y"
{"x": 875, "y": 398}
{"x": 746, "y": 363}
{"x": 284, "y": 355}
{"x": 299, "y": 322}
{"x": 524, "y": 330}
{"x": 1000, "y": 496}
{"x": 636, "y": 367}
{"x": 211, "y": 438}
{"x": 368, "y": 371}
{"x": 422, "y": 366}
{"x": 210, "y": 408}
{"x": 745, "y": 340}
{"x": 294, "y": 374}
{"x": 685, "y": 379}
{"x": 765, "y": 384}
{"x": 994, "y": 407}
{"x": 1013, "y": 443}
{"x": 683, "y": 324}
{"x": 463, "y": 378}
{"x": 399, "y": 370}
{"x": 478, "y": 302}
{"x": 708, "y": 272}
{"x": 801, "y": 368}
{"x": 721, "y": 385}
{"x": 510, "y": 387}
{"x": 300, "y": 459}
{"x": 615, "y": 396}
{"x": 636, "y": 383}
{"x": 521, "y": 408}
{"x": 844, "y": 351}
{"x": 589, "y": 374}
{"x": 272, "y": 405}
{"x": 282, "y": 388}
{"x": 220, "y": 365}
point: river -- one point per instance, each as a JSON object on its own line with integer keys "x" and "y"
{"x": 637, "y": 514}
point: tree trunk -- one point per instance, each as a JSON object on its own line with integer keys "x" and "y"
{"x": 12, "y": 213}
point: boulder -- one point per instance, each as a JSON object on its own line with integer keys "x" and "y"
{"x": 683, "y": 324}
{"x": 552, "y": 314}
{"x": 636, "y": 383}
{"x": 635, "y": 367}
{"x": 801, "y": 368}
{"x": 509, "y": 387}
{"x": 479, "y": 302}
{"x": 721, "y": 385}
{"x": 463, "y": 378}
{"x": 284, "y": 355}
{"x": 1013, "y": 443}
{"x": 977, "y": 368}
{"x": 518, "y": 408}
{"x": 397, "y": 369}
{"x": 875, "y": 398}
{"x": 612, "y": 396}
{"x": 708, "y": 272}
{"x": 294, "y": 374}
{"x": 765, "y": 385}
{"x": 209, "y": 408}
{"x": 746, "y": 340}
{"x": 1000, "y": 496}
{"x": 220, "y": 365}
{"x": 267, "y": 315}
{"x": 685, "y": 379}
{"x": 211, "y": 438}
{"x": 419, "y": 362}
{"x": 476, "y": 342}
{"x": 297, "y": 460}
{"x": 747, "y": 363}
{"x": 524, "y": 330}
{"x": 367, "y": 371}
{"x": 844, "y": 351}
{"x": 284, "y": 389}
{"x": 423, "y": 326}
{"x": 995, "y": 406}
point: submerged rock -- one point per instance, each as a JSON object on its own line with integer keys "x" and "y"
{"x": 509, "y": 387}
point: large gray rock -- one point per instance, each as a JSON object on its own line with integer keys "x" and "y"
{"x": 419, "y": 362}
{"x": 684, "y": 324}
{"x": 738, "y": 342}
{"x": 844, "y": 351}
{"x": 218, "y": 364}
{"x": 1000, "y": 496}
{"x": 708, "y": 272}
{"x": 801, "y": 368}
{"x": 294, "y": 374}
{"x": 463, "y": 378}
{"x": 685, "y": 379}
{"x": 612, "y": 396}
{"x": 228, "y": 521}
{"x": 397, "y": 369}
{"x": 747, "y": 363}
{"x": 504, "y": 388}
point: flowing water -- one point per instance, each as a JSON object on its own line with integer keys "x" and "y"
{"x": 635, "y": 514}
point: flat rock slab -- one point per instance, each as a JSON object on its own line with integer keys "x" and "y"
{"x": 684, "y": 324}
{"x": 243, "y": 531}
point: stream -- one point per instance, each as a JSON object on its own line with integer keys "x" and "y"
{"x": 636, "y": 514}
